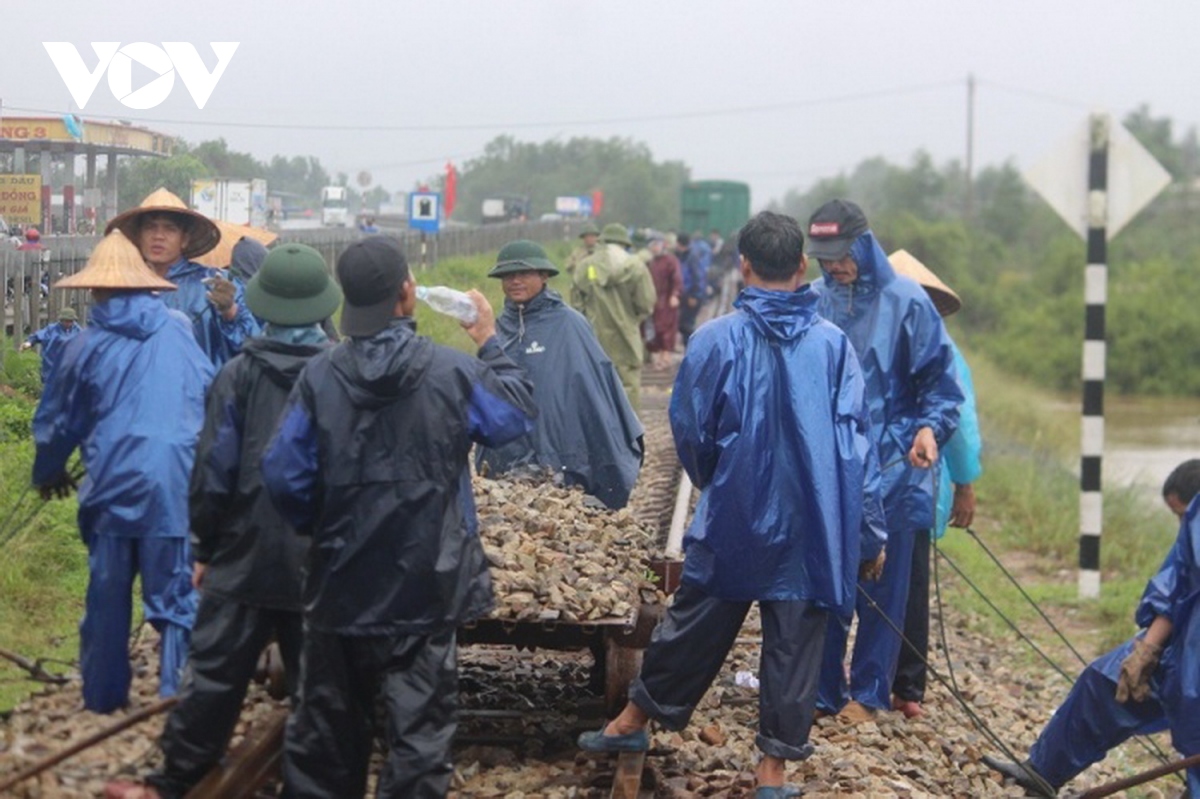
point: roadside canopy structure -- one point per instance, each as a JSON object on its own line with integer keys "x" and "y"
{"x": 32, "y": 199}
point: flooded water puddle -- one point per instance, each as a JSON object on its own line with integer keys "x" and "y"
{"x": 1145, "y": 438}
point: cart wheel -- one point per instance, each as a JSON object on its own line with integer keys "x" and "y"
{"x": 622, "y": 664}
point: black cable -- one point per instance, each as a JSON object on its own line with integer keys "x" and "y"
{"x": 1150, "y": 745}
{"x": 1027, "y": 597}
{"x": 659, "y": 117}
{"x": 1011, "y": 624}
{"x": 974, "y": 717}
{"x": 5, "y": 533}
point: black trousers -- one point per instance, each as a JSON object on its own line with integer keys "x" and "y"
{"x": 226, "y": 643}
{"x": 329, "y": 735}
{"x": 689, "y": 647}
{"x": 911, "y": 672}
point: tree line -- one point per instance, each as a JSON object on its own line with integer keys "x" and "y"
{"x": 1019, "y": 268}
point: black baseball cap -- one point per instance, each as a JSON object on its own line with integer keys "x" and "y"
{"x": 371, "y": 272}
{"x": 833, "y": 228}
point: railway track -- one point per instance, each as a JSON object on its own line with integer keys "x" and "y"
{"x": 516, "y": 702}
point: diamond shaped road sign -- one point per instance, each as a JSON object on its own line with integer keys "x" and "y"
{"x": 1134, "y": 178}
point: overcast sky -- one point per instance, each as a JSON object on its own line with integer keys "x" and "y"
{"x": 779, "y": 94}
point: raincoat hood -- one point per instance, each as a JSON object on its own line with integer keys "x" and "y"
{"x": 137, "y": 315}
{"x": 779, "y": 315}
{"x": 248, "y": 256}
{"x": 874, "y": 269}
{"x": 281, "y": 362}
{"x": 376, "y": 370}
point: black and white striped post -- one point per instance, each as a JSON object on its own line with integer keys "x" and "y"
{"x": 1095, "y": 291}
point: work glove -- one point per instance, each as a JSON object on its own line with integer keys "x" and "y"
{"x": 1136, "y": 668}
{"x": 221, "y": 293}
{"x": 871, "y": 570}
{"x": 60, "y": 487}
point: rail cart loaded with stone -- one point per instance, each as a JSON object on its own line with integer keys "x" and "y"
{"x": 568, "y": 576}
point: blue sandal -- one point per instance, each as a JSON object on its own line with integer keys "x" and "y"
{"x": 599, "y": 742}
{"x": 777, "y": 791}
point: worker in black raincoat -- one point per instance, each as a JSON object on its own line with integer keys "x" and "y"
{"x": 587, "y": 433}
{"x": 371, "y": 460}
{"x": 248, "y": 559}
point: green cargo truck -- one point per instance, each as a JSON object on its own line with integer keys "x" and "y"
{"x": 720, "y": 204}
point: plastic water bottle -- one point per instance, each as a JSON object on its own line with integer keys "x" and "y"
{"x": 450, "y": 302}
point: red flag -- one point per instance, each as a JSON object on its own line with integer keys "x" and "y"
{"x": 597, "y": 203}
{"x": 450, "y": 189}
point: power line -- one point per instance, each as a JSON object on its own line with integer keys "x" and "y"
{"x": 1050, "y": 98}
{"x": 442, "y": 127}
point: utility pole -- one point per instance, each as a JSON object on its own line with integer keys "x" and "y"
{"x": 970, "y": 204}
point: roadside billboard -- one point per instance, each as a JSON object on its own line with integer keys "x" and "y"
{"x": 21, "y": 199}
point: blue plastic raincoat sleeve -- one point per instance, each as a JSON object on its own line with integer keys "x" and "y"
{"x": 63, "y": 416}
{"x": 852, "y": 406}
{"x": 40, "y": 337}
{"x": 218, "y": 455}
{"x": 1171, "y": 585}
{"x": 960, "y": 457}
{"x": 243, "y": 326}
{"x": 501, "y": 407}
{"x": 290, "y": 465}
{"x": 695, "y": 411}
{"x": 935, "y": 379}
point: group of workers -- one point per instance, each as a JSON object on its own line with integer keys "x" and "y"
{"x": 266, "y": 483}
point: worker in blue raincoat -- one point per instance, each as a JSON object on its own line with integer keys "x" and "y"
{"x": 129, "y": 392}
{"x": 1147, "y": 684}
{"x": 587, "y": 433}
{"x": 53, "y": 339}
{"x": 913, "y": 397}
{"x": 958, "y": 468}
{"x": 169, "y": 234}
{"x": 371, "y": 459}
{"x": 770, "y": 423}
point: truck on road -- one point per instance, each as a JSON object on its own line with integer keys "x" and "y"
{"x": 242, "y": 202}
{"x": 334, "y": 212}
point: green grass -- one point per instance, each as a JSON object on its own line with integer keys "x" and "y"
{"x": 471, "y": 273}
{"x": 43, "y": 565}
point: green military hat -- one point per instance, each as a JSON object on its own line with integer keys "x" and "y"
{"x": 293, "y": 287}
{"x": 68, "y": 313}
{"x": 522, "y": 255}
{"x": 615, "y": 233}
{"x": 589, "y": 229}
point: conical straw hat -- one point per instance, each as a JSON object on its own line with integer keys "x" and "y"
{"x": 221, "y": 256}
{"x": 944, "y": 298}
{"x": 115, "y": 264}
{"x": 202, "y": 234}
